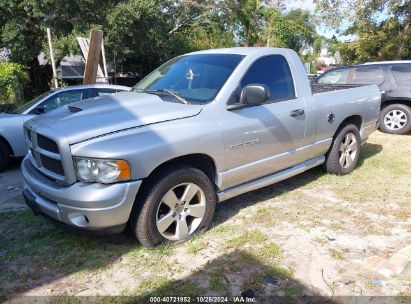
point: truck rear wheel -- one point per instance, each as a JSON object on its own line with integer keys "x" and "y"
{"x": 4, "y": 155}
{"x": 345, "y": 150}
{"x": 395, "y": 119}
{"x": 180, "y": 203}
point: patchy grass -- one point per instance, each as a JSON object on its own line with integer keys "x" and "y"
{"x": 336, "y": 254}
{"x": 249, "y": 238}
{"x": 268, "y": 252}
{"x": 272, "y": 232}
{"x": 195, "y": 245}
{"x": 382, "y": 173}
{"x": 291, "y": 291}
{"x": 217, "y": 281}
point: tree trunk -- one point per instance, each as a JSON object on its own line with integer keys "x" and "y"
{"x": 404, "y": 38}
{"x": 40, "y": 76}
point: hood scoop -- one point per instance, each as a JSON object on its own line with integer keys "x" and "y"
{"x": 74, "y": 109}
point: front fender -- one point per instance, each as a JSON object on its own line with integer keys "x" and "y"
{"x": 148, "y": 147}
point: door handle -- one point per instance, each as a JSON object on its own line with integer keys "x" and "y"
{"x": 297, "y": 112}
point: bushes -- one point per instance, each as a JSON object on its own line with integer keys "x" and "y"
{"x": 13, "y": 78}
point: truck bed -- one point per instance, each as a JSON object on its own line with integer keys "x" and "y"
{"x": 321, "y": 88}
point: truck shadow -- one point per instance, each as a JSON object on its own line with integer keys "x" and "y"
{"x": 231, "y": 207}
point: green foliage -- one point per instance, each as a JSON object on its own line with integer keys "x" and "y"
{"x": 377, "y": 29}
{"x": 142, "y": 34}
{"x": 13, "y": 78}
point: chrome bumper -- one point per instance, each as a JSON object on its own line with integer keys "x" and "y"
{"x": 88, "y": 206}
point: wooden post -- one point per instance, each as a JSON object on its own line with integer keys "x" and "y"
{"x": 93, "y": 57}
{"x": 53, "y": 62}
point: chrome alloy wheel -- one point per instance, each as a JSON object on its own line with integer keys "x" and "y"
{"x": 181, "y": 211}
{"x": 395, "y": 120}
{"x": 348, "y": 150}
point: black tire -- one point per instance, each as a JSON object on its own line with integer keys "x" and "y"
{"x": 387, "y": 125}
{"x": 332, "y": 161}
{"x": 143, "y": 220}
{"x": 4, "y": 155}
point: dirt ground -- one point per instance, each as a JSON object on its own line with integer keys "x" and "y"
{"x": 10, "y": 188}
{"x": 333, "y": 237}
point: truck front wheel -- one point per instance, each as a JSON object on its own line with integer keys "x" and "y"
{"x": 395, "y": 119}
{"x": 180, "y": 202}
{"x": 345, "y": 150}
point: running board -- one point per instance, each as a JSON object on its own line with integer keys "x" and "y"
{"x": 270, "y": 179}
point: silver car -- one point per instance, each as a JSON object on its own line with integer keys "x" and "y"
{"x": 12, "y": 142}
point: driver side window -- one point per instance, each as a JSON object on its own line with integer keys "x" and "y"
{"x": 61, "y": 99}
{"x": 273, "y": 72}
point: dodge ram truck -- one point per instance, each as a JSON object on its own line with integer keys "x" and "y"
{"x": 200, "y": 129}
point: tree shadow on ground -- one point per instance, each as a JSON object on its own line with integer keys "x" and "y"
{"x": 239, "y": 276}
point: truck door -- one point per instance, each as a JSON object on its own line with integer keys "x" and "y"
{"x": 260, "y": 140}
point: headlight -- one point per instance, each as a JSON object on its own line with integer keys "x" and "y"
{"x": 101, "y": 170}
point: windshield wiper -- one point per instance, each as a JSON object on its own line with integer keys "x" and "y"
{"x": 176, "y": 96}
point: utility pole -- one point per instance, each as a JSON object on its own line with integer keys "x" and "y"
{"x": 93, "y": 57}
{"x": 103, "y": 53}
{"x": 53, "y": 62}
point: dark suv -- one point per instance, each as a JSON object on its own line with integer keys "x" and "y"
{"x": 394, "y": 80}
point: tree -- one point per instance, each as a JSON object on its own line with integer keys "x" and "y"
{"x": 379, "y": 29}
{"x": 23, "y": 26}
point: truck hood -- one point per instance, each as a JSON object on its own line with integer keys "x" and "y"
{"x": 98, "y": 116}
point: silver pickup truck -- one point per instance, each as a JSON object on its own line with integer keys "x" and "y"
{"x": 200, "y": 129}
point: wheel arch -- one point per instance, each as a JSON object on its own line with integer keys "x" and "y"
{"x": 6, "y": 142}
{"x": 355, "y": 119}
{"x": 201, "y": 161}
{"x": 404, "y": 101}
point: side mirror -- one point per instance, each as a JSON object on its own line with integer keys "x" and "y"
{"x": 254, "y": 94}
{"x": 39, "y": 110}
{"x": 250, "y": 95}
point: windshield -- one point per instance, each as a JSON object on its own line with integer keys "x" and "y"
{"x": 196, "y": 78}
{"x": 27, "y": 105}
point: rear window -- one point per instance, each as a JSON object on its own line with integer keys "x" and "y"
{"x": 338, "y": 76}
{"x": 368, "y": 75}
{"x": 402, "y": 74}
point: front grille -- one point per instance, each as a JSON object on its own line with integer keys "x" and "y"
{"x": 45, "y": 155}
{"x": 47, "y": 144}
{"x": 52, "y": 165}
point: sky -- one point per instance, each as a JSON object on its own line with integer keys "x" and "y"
{"x": 327, "y": 32}
{"x": 310, "y": 6}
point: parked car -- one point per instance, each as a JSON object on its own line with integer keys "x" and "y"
{"x": 394, "y": 81}
{"x": 202, "y": 128}
{"x": 312, "y": 77}
{"x": 12, "y": 142}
